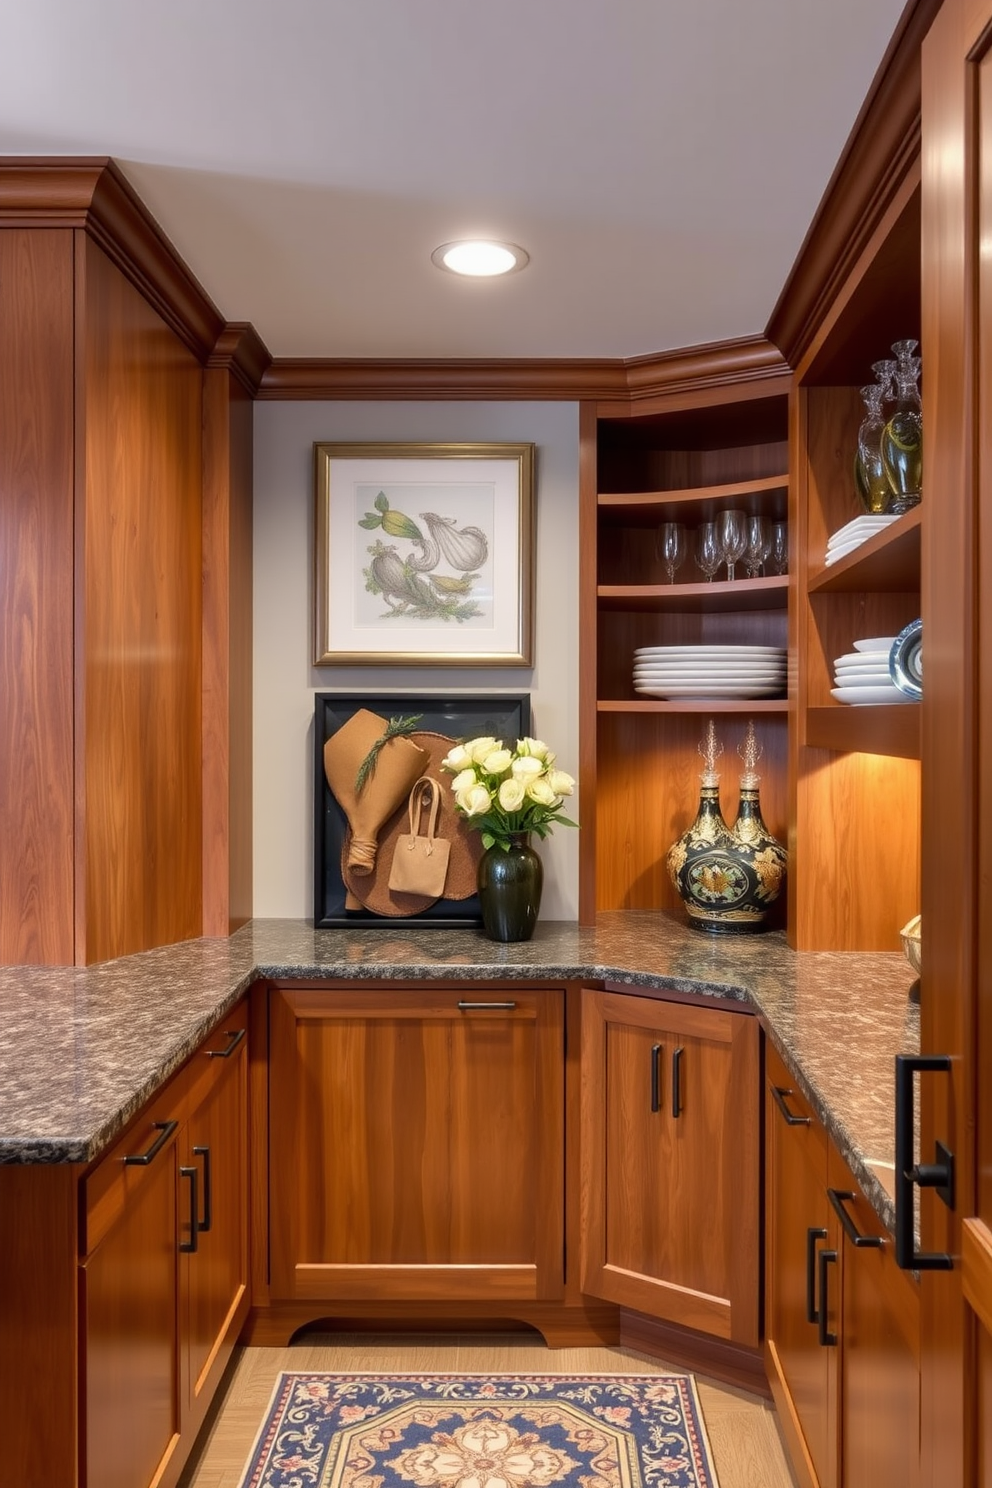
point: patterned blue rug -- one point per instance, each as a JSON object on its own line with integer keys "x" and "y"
{"x": 481, "y": 1431}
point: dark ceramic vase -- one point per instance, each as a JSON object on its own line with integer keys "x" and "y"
{"x": 510, "y": 886}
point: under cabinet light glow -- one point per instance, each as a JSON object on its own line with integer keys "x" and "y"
{"x": 479, "y": 259}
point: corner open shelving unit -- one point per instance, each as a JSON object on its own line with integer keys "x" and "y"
{"x": 855, "y": 770}
{"x": 683, "y": 457}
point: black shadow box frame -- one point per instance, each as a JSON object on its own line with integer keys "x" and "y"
{"x": 505, "y": 716}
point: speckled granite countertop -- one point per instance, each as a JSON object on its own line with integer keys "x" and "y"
{"x": 82, "y": 1049}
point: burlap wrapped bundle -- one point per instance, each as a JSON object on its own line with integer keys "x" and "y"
{"x": 398, "y": 763}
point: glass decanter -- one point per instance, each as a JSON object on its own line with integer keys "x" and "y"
{"x": 870, "y": 478}
{"x": 902, "y": 436}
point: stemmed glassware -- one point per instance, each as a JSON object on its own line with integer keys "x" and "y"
{"x": 709, "y": 554}
{"x": 673, "y": 547}
{"x": 759, "y": 545}
{"x": 732, "y": 533}
{"x": 779, "y": 553}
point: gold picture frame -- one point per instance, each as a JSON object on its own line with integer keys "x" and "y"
{"x": 424, "y": 554}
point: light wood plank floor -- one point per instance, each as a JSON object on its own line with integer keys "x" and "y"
{"x": 743, "y": 1435}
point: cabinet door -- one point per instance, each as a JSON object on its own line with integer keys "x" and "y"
{"x": 880, "y": 1348}
{"x": 129, "y": 1308}
{"x": 671, "y": 1146}
{"x": 801, "y": 1370}
{"x": 216, "y": 1145}
{"x": 417, "y": 1148}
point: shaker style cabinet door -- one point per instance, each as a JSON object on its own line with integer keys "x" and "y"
{"x": 670, "y": 1137}
{"x": 417, "y": 1144}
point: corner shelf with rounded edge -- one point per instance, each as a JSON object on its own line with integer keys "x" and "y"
{"x": 693, "y": 503}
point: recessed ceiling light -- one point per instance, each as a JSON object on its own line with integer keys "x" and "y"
{"x": 479, "y": 259}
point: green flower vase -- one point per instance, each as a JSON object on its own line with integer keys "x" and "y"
{"x": 510, "y": 886}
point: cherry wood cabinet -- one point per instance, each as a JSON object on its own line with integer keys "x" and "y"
{"x": 842, "y": 1321}
{"x": 163, "y": 1276}
{"x": 416, "y": 1147}
{"x": 707, "y": 447}
{"x": 670, "y": 1137}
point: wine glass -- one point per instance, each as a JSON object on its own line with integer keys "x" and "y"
{"x": 709, "y": 554}
{"x": 759, "y": 545}
{"x": 779, "y": 554}
{"x": 673, "y": 547}
{"x": 732, "y": 533}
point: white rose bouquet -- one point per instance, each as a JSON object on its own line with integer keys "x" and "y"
{"x": 503, "y": 792}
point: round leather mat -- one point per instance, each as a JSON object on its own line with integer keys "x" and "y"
{"x": 373, "y": 891}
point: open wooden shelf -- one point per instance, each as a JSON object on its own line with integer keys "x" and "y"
{"x": 889, "y": 730}
{"x": 720, "y": 597}
{"x": 888, "y": 563}
{"x": 693, "y": 503}
{"x": 697, "y": 705}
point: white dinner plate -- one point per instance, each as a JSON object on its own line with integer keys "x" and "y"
{"x": 867, "y": 524}
{"x": 876, "y": 643}
{"x": 842, "y": 549}
{"x": 870, "y": 679}
{"x": 702, "y": 691}
{"x": 710, "y": 669}
{"x": 863, "y": 658}
{"x": 890, "y": 694}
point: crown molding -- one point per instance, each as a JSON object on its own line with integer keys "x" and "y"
{"x": 882, "y": 150}
{"x": 91, "y": 193}
{"x": 547, "y": 379}
{"x": 242, "y": 351}
{"x": 694, "y": 368}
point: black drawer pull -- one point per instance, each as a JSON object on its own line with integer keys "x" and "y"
{"x": 938, "y": 1175}
{"x": 204, "y": 1224}
{"x": 142, "y": 1159}
{"x": 812, "y": 1236}
{"x": 235, "y": 1035}
{"x": 656, "y": 1052}
{"x": 677, "y": 1081}
{"x": 826, "y": 1258}
{"x": 482, "y": 1007}
{"x": 838, "y": 1198}
{"x": 190, "y": 1245}
{"x": 791, "y": 1119}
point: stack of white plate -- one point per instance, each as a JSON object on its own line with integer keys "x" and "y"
{"x": 863, "y": 675}
{"x": 853, "y": 534}
{"x": 709, "y": 673}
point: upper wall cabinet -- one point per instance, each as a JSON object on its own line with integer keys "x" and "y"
{"x": 681, "y": 463}
{"x": 856, "y": 859}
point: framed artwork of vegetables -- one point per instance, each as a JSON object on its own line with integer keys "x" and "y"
{"x": 424, "y": 554}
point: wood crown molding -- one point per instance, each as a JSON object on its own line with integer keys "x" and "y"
{"x": 751, "y": 358}
{"x": 242, "y": 351}
{"x": 883, "y": 147}
{"x": 92, "y": 194}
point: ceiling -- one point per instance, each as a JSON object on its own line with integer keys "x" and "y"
{"x": 660, "y": 160}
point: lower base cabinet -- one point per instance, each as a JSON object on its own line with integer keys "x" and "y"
{"x": 842, "y": 1321}
{"x": 164, "y": 1274}
{"x": 671, "y": 1158}
{"x": 417, "y": 1147}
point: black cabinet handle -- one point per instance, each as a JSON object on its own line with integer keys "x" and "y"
{"x": 826, "y": 1258}
{"x": 791, "y": 1119}
{"x": 938, "y": 1174}
{"x": 204, "y": 1224}
{"x": 677, "y": 1081}
{"x": 235, "y": 1035}
{"x": 477, "y": 1007}
{"x": 142, "y": 1159}
{"x": 190, "y": 1245}
{"x": 812, "y": 1236}
{"x": 656, "y": 1053}
{"x": 838, "y": 1198}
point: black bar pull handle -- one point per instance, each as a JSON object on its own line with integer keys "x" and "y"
{"x": 677, "y": 1081}
{"x": 826, "y": 1258}
{"x": 838, "y": 1198}
{"x": 791, "y": 1119}
{"x": 938, "y": 1174}
{"x": 812, "y": 1236}
{"x": 204, "y": 1224}
{"x": 477, "y": 1007}
{"x": 235, "y": 1035}
{"x": 142, "y": 1159}
{"x": 190, "y": 1245}
{"x": 656, "y": 1052}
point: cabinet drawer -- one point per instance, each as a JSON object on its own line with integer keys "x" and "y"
{"x": 120, "y": 1174}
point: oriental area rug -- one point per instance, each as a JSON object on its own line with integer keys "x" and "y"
{"x": 481, "y": 1431}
